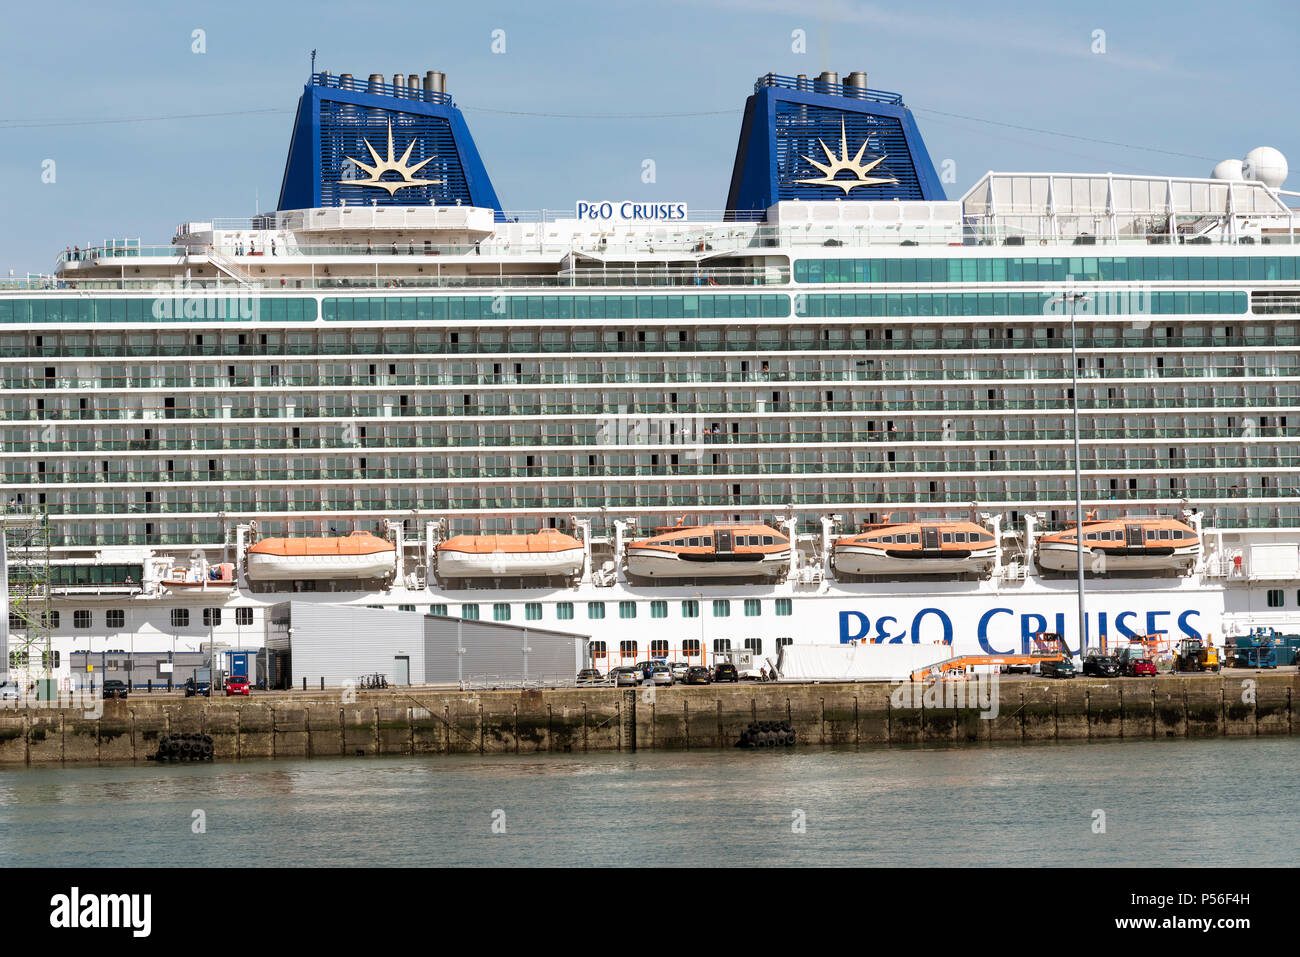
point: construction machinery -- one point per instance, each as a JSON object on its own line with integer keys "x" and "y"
{"x": 1196, "y": 655}
{"x": 1259, "y": 649}
{"x": 1049, "y": 649}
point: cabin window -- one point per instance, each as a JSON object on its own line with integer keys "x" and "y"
{"x": 627, "y": 609}
{"x": 533, "y": 611}
{"x": 211, "y": 617}
{"x": 598, "y": 650}
{"x": 783, "y": 606}
{"x": 782, "y": 642}
{"x": 767, "y": 539}
{"x": 707, "y": 541}
{"x": 659, "y": 609}
{"x": 753, "y": 607}
{"x": 627, "y": 649}
{"x": 721, "y": 644}
{"x": 500, "y": 611}
{"x": 948, "y": 538}
{"x": 244, "y": 616}
{"x": 659, "y": 648}
{"x": 116, "y": 617}
{"x": 914, "y": 538}
{"x": 691, "y": 647}
{"x": 722, "y": 608}
{"x": 1276, "y": 598}
{"x": 440, "y": 610}
{"x": 564, "y": 610}
{"x": 693, "y": 542}
{"x": 81, "y": 618}
{"x": 690, "y": 608}
{"x": 469, "y": 611}
{"x": 755, "y": 645}
{"x": 595, "y": 609}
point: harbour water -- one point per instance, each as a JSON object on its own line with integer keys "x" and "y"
{"x": 1212, "y": 802}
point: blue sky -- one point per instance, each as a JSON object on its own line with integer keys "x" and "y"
{"x": 1200, "y": 81}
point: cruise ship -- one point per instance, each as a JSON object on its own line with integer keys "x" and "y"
{"x": 842, "y": 408}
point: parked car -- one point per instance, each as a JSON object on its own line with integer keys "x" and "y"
{"x": 1062, "y": 668}
{"x": 1139, "y": 667}
{"x": 697, "y": 675}
{"x": 679, "y": 669}
{"x": 196, "y": 688}
{"x": 627, "y": 675}
{"x": 659, "y": 674}
{"x": 115, "y": 689}
{"x": 647, "y": 666}
{"x": 590, "y": 676}
{"x": 237, "y": 684}
{"x": 725, "y": 672}
{"x": 9, "y": 691}
{"x": 1100, "y": 665}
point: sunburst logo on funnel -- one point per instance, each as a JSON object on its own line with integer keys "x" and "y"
{"x": 838, "y": 164}
{"x": 382, "y": 166}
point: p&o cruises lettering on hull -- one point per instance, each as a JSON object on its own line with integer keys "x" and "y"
{"x": 838, "y": 410}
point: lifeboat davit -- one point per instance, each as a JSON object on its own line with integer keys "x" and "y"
{"x": 360, "y": 555}
{"x": 545, "y": 553}
{"x": 1122, "y": 545}
{"x": 710, "y": 551}
{"x": 916, "y": 548}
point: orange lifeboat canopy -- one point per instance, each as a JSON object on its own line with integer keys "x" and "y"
{"x": 545, "y": 542}
{"x": 358, "y": 543}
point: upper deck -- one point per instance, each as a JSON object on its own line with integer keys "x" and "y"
{"x": 397, "y": 246}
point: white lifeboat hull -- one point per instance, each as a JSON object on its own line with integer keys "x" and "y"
{"x": 267, "y": 567}
{"x": 455, "y": 564}
{"x": 1063, "y": 557}
{"x": 862, "y": 560}
{"x": 655, "y": 563}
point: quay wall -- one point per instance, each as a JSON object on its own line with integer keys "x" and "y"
{"x": 439, "y": 721}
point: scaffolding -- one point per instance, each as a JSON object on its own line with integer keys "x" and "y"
{"x": 26, "y": 652}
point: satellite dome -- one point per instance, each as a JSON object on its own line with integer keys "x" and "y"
{"x": 1228, "y": 169}
{"x": 1266, "y": 165}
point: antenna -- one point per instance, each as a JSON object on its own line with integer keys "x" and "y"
{"x": 313, "y": 61}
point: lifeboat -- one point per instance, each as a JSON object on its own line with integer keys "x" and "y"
{"x": 200, "y": 576}
{"x": 1122, "y": 545}
{"x": 537, "y": 554}
{"x": 916, "y": 548}
{"x": 356, "y": 556}
{"x": 710, "y": 551}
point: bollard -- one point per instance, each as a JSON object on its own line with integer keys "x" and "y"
{"x": 304, "y": 682}
{"x": 322, "y": 682}
{"x": 149, "y": 686}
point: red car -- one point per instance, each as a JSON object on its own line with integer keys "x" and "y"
{"x": 237, "y": 685}
{"x": 1137, "y": 667}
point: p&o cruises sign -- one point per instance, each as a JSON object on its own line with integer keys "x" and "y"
{"x": 630, "y": 211}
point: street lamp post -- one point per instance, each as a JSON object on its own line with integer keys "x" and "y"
{"x": 1073, "y": 298}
